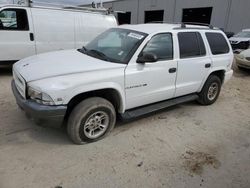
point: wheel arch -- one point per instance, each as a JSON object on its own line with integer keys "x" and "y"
{"x": 218, "y": 72}
{"x": 110, "y": 94}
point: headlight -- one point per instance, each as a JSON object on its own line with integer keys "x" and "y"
{"x": 40, "y": 97}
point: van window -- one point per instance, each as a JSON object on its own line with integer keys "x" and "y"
{"x": 191, "y": 44}
{"x": 218, "y": 43}
{"x": 14, "y": 19}
{"x": 161, "y": 45}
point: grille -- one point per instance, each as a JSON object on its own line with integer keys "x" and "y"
{"x": 20, "y": 83}
{"x": 241, "y": 45}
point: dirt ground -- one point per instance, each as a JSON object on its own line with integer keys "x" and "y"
{"x": 185, "y": 146}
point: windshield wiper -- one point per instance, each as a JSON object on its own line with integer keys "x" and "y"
{"x": 82, "y": 50}
{"x": 99, "y": 54}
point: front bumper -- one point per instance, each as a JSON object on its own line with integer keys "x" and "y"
{"x": 42, "y": 114}
{"x": 242, "y": 63}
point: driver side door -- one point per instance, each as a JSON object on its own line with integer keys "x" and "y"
{"x": 152, "y": 82}
{"x": 16, "y": 34}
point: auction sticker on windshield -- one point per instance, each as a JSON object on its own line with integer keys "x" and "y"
{"x": 135, "y": 35}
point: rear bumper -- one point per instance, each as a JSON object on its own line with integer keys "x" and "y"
{"x": 228, "y": 76}
{"x": 42, "y": 114}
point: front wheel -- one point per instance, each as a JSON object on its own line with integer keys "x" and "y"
{"x": 210, "y": 91}
{"x": 91, "y": 120}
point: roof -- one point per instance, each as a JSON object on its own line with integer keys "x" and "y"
{"x": 156, "y": 27}
{"x": 246, "y": 30}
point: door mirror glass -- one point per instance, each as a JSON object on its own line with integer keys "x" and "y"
{"x": 147, "y": 58}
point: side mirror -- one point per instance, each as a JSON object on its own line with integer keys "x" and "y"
{"x": 1, "y": 24}
{"x": 147, "y": 58}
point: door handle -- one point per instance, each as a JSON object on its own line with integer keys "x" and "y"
{"x": 172, "y": 70}
{"x": 32, "y": 38}
{"x": 208, "y": 65}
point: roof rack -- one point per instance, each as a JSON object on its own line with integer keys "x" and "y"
{"x": 183, "y": 24}
{"x": 102, "y": 10}
{"x": 30, "y": 3}
{"x": 160, "y": 22}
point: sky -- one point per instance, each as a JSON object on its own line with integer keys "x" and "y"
{"x": 67, "y": 2}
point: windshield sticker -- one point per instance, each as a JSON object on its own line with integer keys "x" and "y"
{"x": 135, "y": 35}
{"x": 120, "y": 53}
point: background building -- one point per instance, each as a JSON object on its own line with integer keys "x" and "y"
{"x": 231, "y": 15}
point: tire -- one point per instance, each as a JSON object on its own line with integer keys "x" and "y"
{"x": 208, "y": 96}
{"x": 91, "y": 120}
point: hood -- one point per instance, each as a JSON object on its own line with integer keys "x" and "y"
{"x": 60, "y": 63}
{"x": 246, "y": 53}
{"x": 239, "y": 39}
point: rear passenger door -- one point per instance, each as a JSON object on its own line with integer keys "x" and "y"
{"x": 220, "y": 50}
{"x": 193, "y": 64}
{"x": 16, "y": 34}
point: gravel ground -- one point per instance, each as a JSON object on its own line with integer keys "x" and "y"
{"x": 185, "y": 146}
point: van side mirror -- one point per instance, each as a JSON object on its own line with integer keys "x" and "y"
{"x": 147, "y": 58}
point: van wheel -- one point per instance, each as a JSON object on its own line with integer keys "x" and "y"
{"x": 210, "y": 91}
{"x": 91, "y": 120}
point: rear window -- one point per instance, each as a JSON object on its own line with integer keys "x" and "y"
{"x": 217, "y": 43}
{"x": 191, "y": 44}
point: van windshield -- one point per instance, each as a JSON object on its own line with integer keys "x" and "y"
{"x": 243, "y": 34}
{"x": 115, "y": 45}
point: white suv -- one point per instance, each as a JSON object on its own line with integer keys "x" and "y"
{"x": 128, "y": 71}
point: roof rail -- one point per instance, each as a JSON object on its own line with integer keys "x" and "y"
{"x": 102, "y": 10}
{"x": 160, "y": 22}
{"x": 30, "y": 3}
{"x": 183, "y": 24}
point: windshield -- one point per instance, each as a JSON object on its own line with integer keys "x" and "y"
{"x": 243, "y": 34}
{"x": 115, "y": 45}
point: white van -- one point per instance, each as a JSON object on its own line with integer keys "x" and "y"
{"x": 26, "y": 31}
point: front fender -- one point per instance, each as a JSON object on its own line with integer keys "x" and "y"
{"x": 98, "y": 86}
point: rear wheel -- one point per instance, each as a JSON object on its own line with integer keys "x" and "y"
{"x": 91, "y": 120}
{"x": 210, "y": 91}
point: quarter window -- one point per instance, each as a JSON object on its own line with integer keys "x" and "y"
{"x": 218, "y": 43}
{"x": 14, "y": 19}
{"x": 191, "y": 44}
{"x": 161, "y": 45}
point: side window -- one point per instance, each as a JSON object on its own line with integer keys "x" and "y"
{"x": 191, "y": 44}
{"x": 161, "y": 45}
{"x": 218, "y": 43}
{"x": 14, "y": 19}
